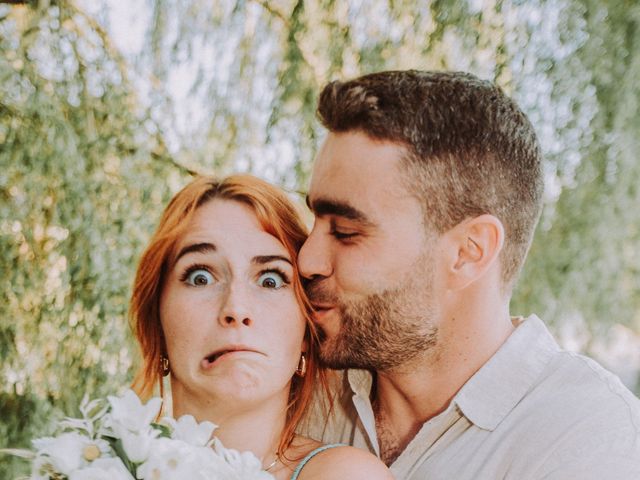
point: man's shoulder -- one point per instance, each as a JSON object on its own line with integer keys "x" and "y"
{"x": 573, "y": 416}
{"x": 589, "y": 419}
{"x": 532, "y": 383}
{"x": 572, "y": 379}
{"x": 569, "y": 384}
{"x": 578, "y": 408}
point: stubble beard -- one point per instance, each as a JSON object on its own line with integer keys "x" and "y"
{"x": 384, "y": 330}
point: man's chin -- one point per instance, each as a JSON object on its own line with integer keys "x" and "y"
{"x": 334, "y": 356}
{"x": 335, "y": 364}
{"x": 329, "y": 357}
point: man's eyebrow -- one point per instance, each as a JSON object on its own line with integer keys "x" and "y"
{"x": 264, "y": 259}
{"x": 203, "y": 247}
{"x": 323, "y": 206}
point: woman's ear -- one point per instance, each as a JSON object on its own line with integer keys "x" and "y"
{"x": 475, "y": 246}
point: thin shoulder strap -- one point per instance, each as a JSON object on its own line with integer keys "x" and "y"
{"x": 312, "y": 454}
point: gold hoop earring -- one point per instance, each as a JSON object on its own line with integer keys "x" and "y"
{"x": 164, "y": 366}
{"x": 302, "y": 366}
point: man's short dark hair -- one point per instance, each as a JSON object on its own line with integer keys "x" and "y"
{"x": 470, "y": 149}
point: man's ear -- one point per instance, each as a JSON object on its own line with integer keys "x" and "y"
{"x": 474, "y": 246}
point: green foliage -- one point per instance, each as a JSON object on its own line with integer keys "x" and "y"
{"x": 82, "y": 182}
{"x": 585, "y": 259}
{"x": 84, "y": 170}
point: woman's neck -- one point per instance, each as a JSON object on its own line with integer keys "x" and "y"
{"x": 256, "y": 428}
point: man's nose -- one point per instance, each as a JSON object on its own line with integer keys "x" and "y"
{"x": 314, "y": 259}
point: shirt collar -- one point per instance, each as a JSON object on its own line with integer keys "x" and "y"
{"x": 360, "y": 382}
{"x": 494, "y": 390}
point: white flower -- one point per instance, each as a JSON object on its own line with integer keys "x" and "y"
{"x": 64, "y": 452}
{"x": 84, "y": 451}
{"x": 41, "y": 468}
{"x": 136, "y": 445}
{"x": 188, "y": 430}
{"x": 96, "y": 448}
{"x": 103, "y": 469}
{"x": 129, "y": 412}
{"x": 243, "y": 465}
{"x": 173, "y": 460}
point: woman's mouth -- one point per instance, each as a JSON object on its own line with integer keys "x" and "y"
{"x": 215, "y": 356}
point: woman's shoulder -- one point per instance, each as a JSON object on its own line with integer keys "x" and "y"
{"x": 341, "y": 461}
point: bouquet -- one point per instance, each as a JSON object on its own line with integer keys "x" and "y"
{"x": 117, "y": 439}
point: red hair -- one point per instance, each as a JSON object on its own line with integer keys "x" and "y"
{"x": 278, "y": 216}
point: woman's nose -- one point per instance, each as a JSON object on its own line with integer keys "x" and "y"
{"x": 235, "y": 310}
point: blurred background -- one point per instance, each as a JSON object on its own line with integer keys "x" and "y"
{"x": 108, "y": 107}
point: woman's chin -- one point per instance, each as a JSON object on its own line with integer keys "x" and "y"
{"x": 232, "y": 385}
{"x": 237, "y": 385}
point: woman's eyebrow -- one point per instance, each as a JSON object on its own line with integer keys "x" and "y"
{"x": 203, "y": 247}
{"x": 262, "y": 259}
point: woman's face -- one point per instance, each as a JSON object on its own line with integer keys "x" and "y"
{"x": 233, "y": 327}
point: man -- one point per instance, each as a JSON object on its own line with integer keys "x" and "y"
{"x": 426, "y": 193}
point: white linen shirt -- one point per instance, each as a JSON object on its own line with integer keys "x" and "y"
{"x": 533, "y": 411}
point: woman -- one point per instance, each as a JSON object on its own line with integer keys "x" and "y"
{"x": 218, "y": 305}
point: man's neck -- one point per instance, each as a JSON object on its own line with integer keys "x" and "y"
{"x": 408, "y": 396}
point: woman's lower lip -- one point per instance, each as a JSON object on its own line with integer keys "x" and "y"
{"x": 207, "y": 364}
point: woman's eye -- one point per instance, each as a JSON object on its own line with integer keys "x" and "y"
{"x": 199, "y": 278}
{"x": 271, "y": 280}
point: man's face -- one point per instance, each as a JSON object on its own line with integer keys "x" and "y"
{"x": 369, "y": 260}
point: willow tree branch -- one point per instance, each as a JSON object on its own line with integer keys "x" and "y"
{"x": 307, "y": 56}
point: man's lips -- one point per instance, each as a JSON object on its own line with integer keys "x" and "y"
{"x": 214, "y": 356}
{"x": 320, "y": 310}
{"x": 322, "y": 306}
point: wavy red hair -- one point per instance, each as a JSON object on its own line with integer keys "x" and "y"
{"x": 278, "y": 217}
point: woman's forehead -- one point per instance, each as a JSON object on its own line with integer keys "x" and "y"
{"x": 229, "y": 226}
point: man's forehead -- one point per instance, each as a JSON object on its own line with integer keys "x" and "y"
{"x": 358, "y": 178}
{"x": 340, "y": 150}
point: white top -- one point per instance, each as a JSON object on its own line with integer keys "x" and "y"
{"x": 533, "y": 411}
